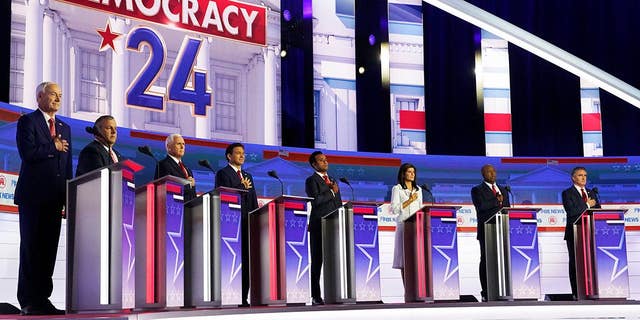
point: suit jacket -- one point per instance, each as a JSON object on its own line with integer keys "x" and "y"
{"x": 44, "y": 170}
{"x": 94, "y": 156}
{"x": 487, "y": 204}
{"x": 324, "y": 201}
{"x": 169, "y": 167}
{"x": 227, "y": 177}
{"x": 574, "y": 206}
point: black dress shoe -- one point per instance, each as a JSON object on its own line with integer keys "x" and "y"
{"x": 484, "y": 299}
{"x": 244, "y": 304}
{"x": 35, "y": 310}
{"x": 317, "y": 301}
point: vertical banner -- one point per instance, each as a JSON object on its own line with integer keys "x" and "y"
{"x": 230, "y": 248}
{"x": 611, "y": 254}
{"x": 174, "y": 238}
{"x": 296, "y": 250}
{"x": 444, "y": 253}
{"x": 525, "y": 259}
{"x": 366, "y": 253}
{"x": 128, "y": 240}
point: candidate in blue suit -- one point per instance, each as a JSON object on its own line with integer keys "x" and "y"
{"x": 233, "y": 176}
{"x": 488, "y": 198}
{"x": 100, "y": 152}
{"x": 44, "y": 145}
{"x": 172, "y": 165}
{"x": 326, "y": 198}
{"x": 575, "y": 200}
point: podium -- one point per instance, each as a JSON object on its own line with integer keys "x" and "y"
{"x": 279, "y": 250}
{"x": 100, "y": 239}
{"x": 431, "y": 254}
{"x": 498, "y": 251}
{"x": 159, "y": 219}
{"x": 525, "y": 258}
{"x": 601, "y": 254}
{"x": 207, "y": 260}
{"x": 338, "y": 256}
{"x": 367, "y": 252}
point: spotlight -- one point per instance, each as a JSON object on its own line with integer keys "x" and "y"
{"x": 372, "y": 39}
{"x": 286, "y": 14}
{"x": 361, "y": 70}
{"x": 283, "y": 53}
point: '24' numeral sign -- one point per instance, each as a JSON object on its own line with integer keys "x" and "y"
{"x": 179, "y": 89}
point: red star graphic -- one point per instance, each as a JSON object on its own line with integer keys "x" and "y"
{"x": 107, "y": 37}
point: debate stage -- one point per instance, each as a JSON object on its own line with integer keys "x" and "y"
{"x": 575, "y": 310}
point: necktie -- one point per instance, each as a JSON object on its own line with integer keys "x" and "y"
{"x": 493, "y": 188}
{"x": 114, "y": 158}
{"x": 239, "y": 174}
{"x": 326, "y": 179}
{"x": 52, "y": 128}
{"x": 184, "y": 170}
{"x": 584, "y": 195}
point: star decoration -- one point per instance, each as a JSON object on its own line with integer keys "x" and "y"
{"x": 529, "y": 271}
{"x": 450, "y": 270}
{"x": 374, "y": 267}
{"x": 107, "y": 37}
{"x": 173, "y": 235}
{"x": 235, "y": 265}
{"x": 303, "y": 259}
{"x": 615, "y": 273}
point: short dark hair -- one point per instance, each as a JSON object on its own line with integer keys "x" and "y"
{"x": 576, "y": 169}
{"x": 312, "y": 157}
{"x": 403, "y": 171}
{"x": 101, "y": 119}
{"x": 232, "y": 146}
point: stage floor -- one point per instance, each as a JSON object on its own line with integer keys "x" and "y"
{"x": 467, "y": 310}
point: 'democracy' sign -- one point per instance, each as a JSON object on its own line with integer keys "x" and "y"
{"x": 223, "y": 18}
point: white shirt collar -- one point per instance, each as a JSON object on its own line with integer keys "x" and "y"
{"x": 322, "y": 174}
{"x": 235, "y": 168}
{"x": 174, "y": 159}
{"x": 47, "y": 117}
{"x": 580, "y": 188}
{"x": 493, "y": 184}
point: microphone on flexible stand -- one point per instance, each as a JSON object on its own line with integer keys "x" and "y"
{"x": 345, "y": 181}
{"x": 274, "y": 174}
{"x": 508, "y": 188}
{"x": 205, "y": 163}
{"x": 596, "y": 195}
{"x": 426, "y": 188}
{"x": 147, "y": 151}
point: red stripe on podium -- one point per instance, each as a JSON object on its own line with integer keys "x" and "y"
{"x": 607, "y": 216}
{"x": 273, "y": 250}
{"x": 229, "y": 198}
{"x": 150, "y": 245}
{"x": 442, "y": 214}
{"x": 520, "y": 215}
{"x": 174, "y": 188}
{"x": 294, "y": 205}
{"x": 363, "y": 210}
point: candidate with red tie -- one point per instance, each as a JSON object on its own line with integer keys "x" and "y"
{"x": 100, "y": 152}
{"x": 173, "y": 165}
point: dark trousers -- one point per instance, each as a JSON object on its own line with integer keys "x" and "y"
{"x": 572, "y": 264}
{"x": 482, "y": 268}
{"x": 315, "y": 246}
{"x": 39, "y": 236}
{"x": 244, "y": 225}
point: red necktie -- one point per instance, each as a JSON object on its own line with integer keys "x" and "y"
{"x": 184, "y": 170}
{"x": 326, "y": 179}
{"x": 493, "y": 188}
{"x": 584, "y": 195}
{"x": 239, "y": 174}
{"x": 52, "y": 128}
{"x": 114, "y": 158}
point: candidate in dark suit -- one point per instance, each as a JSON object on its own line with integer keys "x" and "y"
{"x": 326, "y": 198}
{"x": 43, "y": 143}
{"x": 100, "y": 152}
{"x": 172, "y": 165}
{"x": 233, "y": 176}
{"x": 575, "y": 200}
{"x": 488, "y": 198}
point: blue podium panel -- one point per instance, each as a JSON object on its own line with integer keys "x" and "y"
{"x": 174, "y": 240}
{"x": 297, "y": 249}
{"x": 231, "y": 248}
{"x": 610, "y": 254}
{"x": 367, "y": 252}
{"x": 444, "y": 253}
{"x": 128, "y": 240}
{"x": 525, "y": 259}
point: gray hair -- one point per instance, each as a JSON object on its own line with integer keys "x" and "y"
{"x": 42, "y": 86}
{"x": 170, "y": 139}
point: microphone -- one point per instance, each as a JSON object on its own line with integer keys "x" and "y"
{"x": 147, "y": 151}
{"x": 205, "y": 163}
{"x": 596, "y": 194}
{"x": 274, "y": 174}
{"x": 426, "y": 188}
{"x": 345, "y": 181}
{"x": 508, "y": 188}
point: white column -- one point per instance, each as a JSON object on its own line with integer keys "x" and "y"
{"x": 48, "y": 46}
{"x": 32, "y": 52}
{"x": 56, "y": 50}
{"x": 65, "y": 77}
{"x": 270, "y": 121}
{"x": 119, "y": 73}
{"x": 203, "y": 124}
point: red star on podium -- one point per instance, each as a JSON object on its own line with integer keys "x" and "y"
{"x": 107, "y": 37}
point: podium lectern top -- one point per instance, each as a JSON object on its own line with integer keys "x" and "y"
{"x": 124, "y": 164}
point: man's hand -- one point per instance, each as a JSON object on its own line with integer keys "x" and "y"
{"x": 334, "y": 187}
{"x": 192, "y": 181}
{"x": 500, "y": 197}
{"x": 591, "y": 202}
{"x": 61, "y": 144}
{"x": 246, "y": 183}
